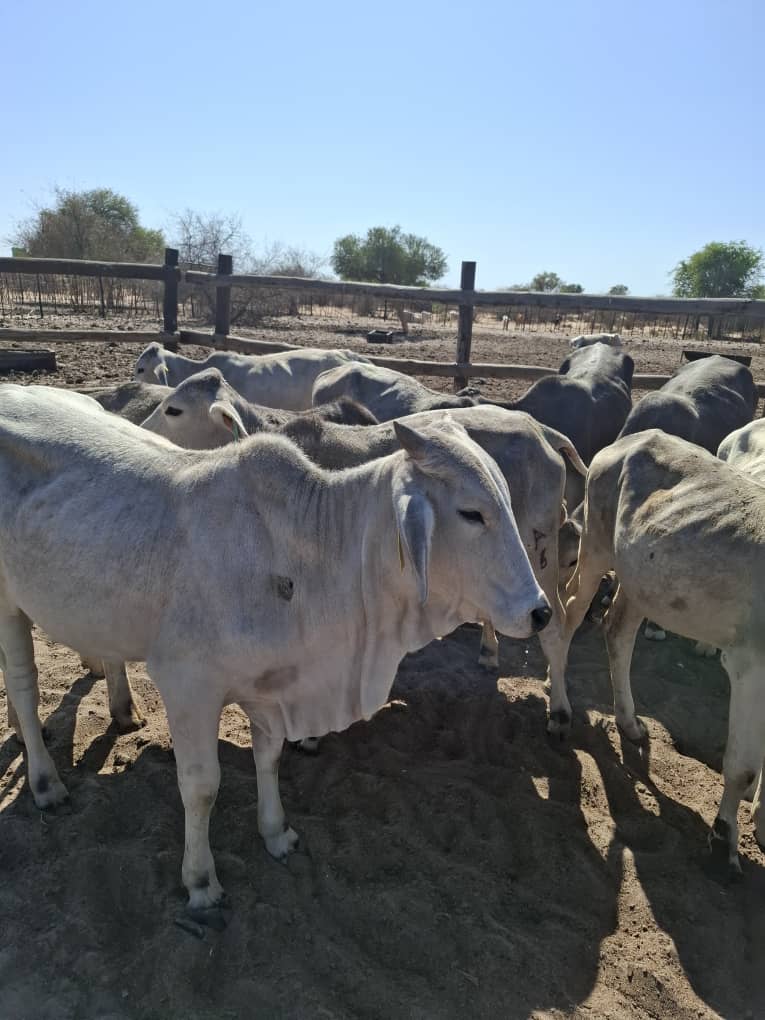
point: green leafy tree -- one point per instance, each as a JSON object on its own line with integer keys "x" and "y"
{"x": 571, "y": 288}
{"x": 388, "y": 255}
{"x": 97, "y": 224}
{"x": 547, "y": 282}
{"x": 619, "y": 290}
{"x": 719, "y": 270}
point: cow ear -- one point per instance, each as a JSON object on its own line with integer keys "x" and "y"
{"x": 161, "y": 372}
{"x": 225, "y": 414}
{"x": 415, "y": 519}
{"x": 415, "y": 444}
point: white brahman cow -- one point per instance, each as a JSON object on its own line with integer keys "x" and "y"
{"x": 243, "y": 574}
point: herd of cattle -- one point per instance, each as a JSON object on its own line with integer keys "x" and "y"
{"x": 279, "y": 531}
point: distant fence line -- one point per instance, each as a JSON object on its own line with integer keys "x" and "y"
{"x": 716, "y": 311}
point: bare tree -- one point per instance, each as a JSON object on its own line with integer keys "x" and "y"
{"x": 201, "y": 237}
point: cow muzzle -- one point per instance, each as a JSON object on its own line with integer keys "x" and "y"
{"x": 541, "y": 616}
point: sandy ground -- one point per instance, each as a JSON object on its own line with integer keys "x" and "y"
{"x": 453, "y": 862}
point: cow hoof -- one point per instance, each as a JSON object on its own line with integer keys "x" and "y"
{"x": 308, "y": 745}
{"x": 724, "y": 856}
{"x": 704, "y": 650}
{"x": 488, "y": 660}
{"x": 51, "y": 795}
{"x": 209, "y": 917}
{"x": 559, "y": 725}
{"x": 655, "y": 634}
{"x": 281, "y": 846}
{"x": 130, "y": 718}
{"x": 634, "y": 731}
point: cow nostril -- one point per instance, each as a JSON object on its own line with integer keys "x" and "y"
{"x": 540, "y": 617}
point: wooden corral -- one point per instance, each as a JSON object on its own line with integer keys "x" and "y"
{"x": 467, "y": 299}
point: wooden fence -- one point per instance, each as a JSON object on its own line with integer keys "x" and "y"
{"x": 466, "y": 298}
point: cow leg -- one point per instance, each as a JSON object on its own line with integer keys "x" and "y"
{"x": 489, "y": 656}
{"x": 124, "y": 708}
{"x": 194, "y": 729}
{"x": 758, "y": 811}
{"x": 622, "y": 624}
{"x": 279, "y": 838}
{"x": 743, "y": 752}
{"x": 13, "y": 719}
{"x": 555, "y": 649}
{"x": 23, "y": 699}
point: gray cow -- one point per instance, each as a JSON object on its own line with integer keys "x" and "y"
{"x": 387, "y": 394}
{"x": 243, "y": 574}
{"x": 685, "y": 534}
{"x": 702, "y": 402}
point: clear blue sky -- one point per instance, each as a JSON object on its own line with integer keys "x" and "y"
{"x": 603, "y": 140}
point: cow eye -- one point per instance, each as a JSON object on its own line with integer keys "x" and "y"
{"x": 474, "y": 516}
{"x": 139, "y": 371}
{"x": 173, "y": 411}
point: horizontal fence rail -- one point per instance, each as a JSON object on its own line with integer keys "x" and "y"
{"x": 79, "y": 267}
{"x": 534, "y": 299}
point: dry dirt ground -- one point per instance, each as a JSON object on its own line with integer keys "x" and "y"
{"x": 453, "y": 862}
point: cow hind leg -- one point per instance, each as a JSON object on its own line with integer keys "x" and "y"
{"x": 23, "y": 699}
{"x": 123, "y": 705}
{"x": 489, "y": 656}
{"x": 743, "y": 753}
{"x": 279, "y": 838}
{"x": 622, "y": 624}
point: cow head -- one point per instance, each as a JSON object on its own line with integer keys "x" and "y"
{"x": 458, "y": 534}
{"x": 199, "y": 414}
{"x": 151, "y": 366}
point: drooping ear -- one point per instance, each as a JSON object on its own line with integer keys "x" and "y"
{"x": 415, "y": 519}
{"x": 225, "y": 414}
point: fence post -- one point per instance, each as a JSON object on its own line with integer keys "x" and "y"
{"x": 223, "y": 296}
{"x": 170, "y": 295}
{"x": 465, "y": 333}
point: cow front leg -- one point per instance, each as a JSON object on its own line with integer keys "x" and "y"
{"x": 194, "y": 729}
{"x": 23, "y": 700}
{"x": 123, "y": 705}
{"x": 489, "y": 656}
{"x": 555, "y": 649}
{"x": 279, "y": 838}
{"x": 622, "y": 624}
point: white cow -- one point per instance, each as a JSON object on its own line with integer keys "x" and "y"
{"x": 204, "y": 411}
{"x": 532, "y": 458}
{"x": 685, "y": 534}
{"x": 275, "y": 380}
{"x": 243, "y": 574}
{"x": 588, "y": 339}
{"x": 505, "y": 322}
